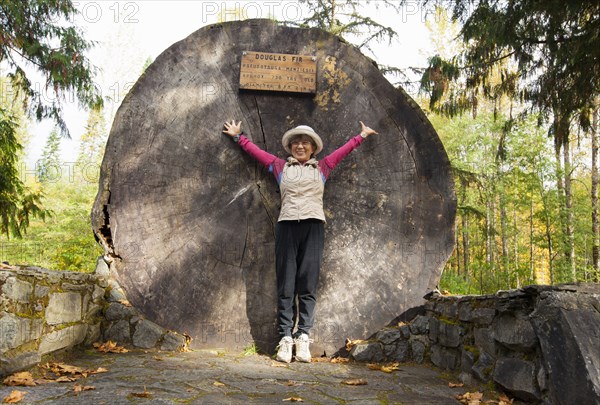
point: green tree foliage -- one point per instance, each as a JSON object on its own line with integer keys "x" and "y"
{"x": 544, "y": 55}
{"x": 343, "y": 17}
{"x": 37, "y": 38}
{"x": 64, "y": 241}
{"x": 48, "y": 167}
{"x": 553, "y": 48}
{"x": 93, "y": 140}
{"x": 37, "y": 33}
{"x": 17, "y": 203}
{"x": 508, "y": 228}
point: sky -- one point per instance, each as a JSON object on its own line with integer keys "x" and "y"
{"x": 127, "y": 33}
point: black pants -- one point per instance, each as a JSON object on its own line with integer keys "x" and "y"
{"x": 298, "y": 254}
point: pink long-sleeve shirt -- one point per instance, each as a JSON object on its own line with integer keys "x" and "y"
{"x": 301, "y": 185}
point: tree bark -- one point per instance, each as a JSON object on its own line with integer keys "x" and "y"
{"x": 594, "y": 194}
{"x": 570, "y": 236}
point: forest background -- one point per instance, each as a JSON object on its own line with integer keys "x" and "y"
{"x": 525, "y": 172}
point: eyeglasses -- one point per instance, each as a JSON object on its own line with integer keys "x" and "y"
{"x": 303, "y": 143}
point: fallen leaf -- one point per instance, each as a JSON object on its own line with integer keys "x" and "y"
{"x": 186, "y": 345}
{"x": 293, "y": 399}
{"x": 355, "y": 381}
{"x": 320, "y": 360}
{"x": 145, "y": 394}
{"x": 79, "y": 388}
{"x": 64, "y": 378}
{"x": 61, "y": 368}
{"x": 504, "y": 400}
{"x": 340, "y": 360}
{"x": 157, "y": 358}
{"x": 218, "y": 384}
{"x": 109, "y": 347}
{"x": 275, "y": 364}
{"x": 390, "y": 368}
{"x": 14, "y": 397}
{"x": 455, "y": 385}
{"x": 22, "y": 379}
{"x": 470, "y": 398}
{"x": 99, "y": 370}
{"x": 291, "y": 383}
{"x": 402, "y": 323}
{"x": 446, "y": 292}
{"x": 351, "y": 343}
{"x": 41, "y": 381}
{"x": 385, "y": 368}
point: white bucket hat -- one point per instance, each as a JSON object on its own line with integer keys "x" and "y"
{"x": 302, "y": 130}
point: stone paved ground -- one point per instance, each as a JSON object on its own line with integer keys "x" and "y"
{"x": 204, "y": 377}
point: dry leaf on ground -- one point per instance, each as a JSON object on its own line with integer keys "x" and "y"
{"x": 62, "y": 368}
{"x": 351, "y": 343}
{"x": 145, "y": 394}
{"x": 79, "y": 388}
{"x": 386, "y": 368}
{"x": 68, "y": 373}
{"x": 504, "y": 400}
{"x": 455, "y": 385}
{"x": 64, "y": 378}
{"x": 293, "y": 399}
{"x": 355, "y": 381}
{"x": 14, "y": 397}
{"x": 186, "y": 345}
{"x": 340, "y": 360}
{"x": 218, "y": 384}
{"x": 275, "y": 364}
{"x": 22, "y": 379}
{"x": 320, "y": 360}
{"x": 109, "y": 347}
{"x": 470, "y": 398}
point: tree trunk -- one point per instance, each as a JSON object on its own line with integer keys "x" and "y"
{"x": 466, "y": 245}
{"x": 570, "y": 236}
{"x": 504, "y": 238}
{"x": 595, "y": 178}
{"x": 189, "y": 218}
{"x": 531, "y": 252}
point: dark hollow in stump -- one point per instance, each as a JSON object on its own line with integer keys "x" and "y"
{"x": 189, "y": 218}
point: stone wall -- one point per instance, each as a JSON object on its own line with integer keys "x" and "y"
{"x": 539, "y": 343}
{"x": 42, "y": 311}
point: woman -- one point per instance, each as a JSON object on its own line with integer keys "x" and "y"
{"x": 299, "y": 233}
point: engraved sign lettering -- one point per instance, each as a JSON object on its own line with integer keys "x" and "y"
{"x": 278, "y": 72}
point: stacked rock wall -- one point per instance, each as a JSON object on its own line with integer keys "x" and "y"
{"x": 43, "y": 311}
{"x": 539, "y": 343}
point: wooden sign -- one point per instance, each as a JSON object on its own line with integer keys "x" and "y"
{"x": 278, "y": 72}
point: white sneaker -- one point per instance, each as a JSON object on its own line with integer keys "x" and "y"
{"x": 284, "y": 349}
{"x": 302, "y": 352}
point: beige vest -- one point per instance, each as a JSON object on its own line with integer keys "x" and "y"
{"x": 301, "y": 189}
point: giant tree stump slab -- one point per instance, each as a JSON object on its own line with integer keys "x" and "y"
{"x": 189, "y": 218}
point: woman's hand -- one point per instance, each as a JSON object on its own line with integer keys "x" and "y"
{"x": 232, "y": 129}
{"x": 366, "y": 131}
